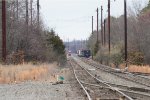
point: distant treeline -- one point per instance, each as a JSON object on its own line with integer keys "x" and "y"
{"x": 76, "y": 45}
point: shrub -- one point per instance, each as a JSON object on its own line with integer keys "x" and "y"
{"x": 96, "y": 48}
{"x": 15, "y": 58}
{"x": 103, "y": 55}
{"x": 117, "y": 58}
{"x": 136, "y": 58}
{"x": 116, "y": 55}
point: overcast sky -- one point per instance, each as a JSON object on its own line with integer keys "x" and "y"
{"x": 72, "y": 18}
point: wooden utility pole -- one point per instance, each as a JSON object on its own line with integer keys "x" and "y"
{"x": 31, "y": 6}
{"x": 68, "y": 45}
{"x": 104, "y": 32}
{"x": 102, "y": 25}
{"x": 4, "y": 31}
{"x": 92, "y": 33}
{"x": 92, "y": 24}
{"x": 109, "y": 25}
{"x": 97, "y": 27}
{"x": 125, "y": 27}
{"x": 27, "y": 15}
{"x": 17, "y": 3}
{"x": 38, "y": 12}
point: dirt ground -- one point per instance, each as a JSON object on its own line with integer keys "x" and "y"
{"x": 45, "y": 89}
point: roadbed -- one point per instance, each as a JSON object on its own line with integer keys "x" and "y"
{"x": 47, "y": 89}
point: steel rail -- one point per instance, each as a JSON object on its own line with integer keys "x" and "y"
{"x": 108, "y": 70}
{"x": 103, "y": 82}
{"x": 139, "y": 93}
{"x": 89, "y": 97}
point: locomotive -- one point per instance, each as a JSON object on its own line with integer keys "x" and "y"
{"x": 84, "y": 53}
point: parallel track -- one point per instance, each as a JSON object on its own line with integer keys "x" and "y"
{"x": 105, "y": 91}
{"x": 128, "y": 76}
{"x": 134, "y": 92}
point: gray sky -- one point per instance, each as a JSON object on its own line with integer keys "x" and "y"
{"x": 72, "y": 18}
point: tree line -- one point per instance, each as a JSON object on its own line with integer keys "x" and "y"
{"x": 138, "y": 38}
{"x": 26, "y": 32}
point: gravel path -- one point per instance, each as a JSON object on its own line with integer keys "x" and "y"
{"x": 43, "y": 90}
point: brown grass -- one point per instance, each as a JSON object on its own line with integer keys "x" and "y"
{"x": 139, "y": 69}
{"x": 135, "y": 68}
{"x": 20, "y": 73}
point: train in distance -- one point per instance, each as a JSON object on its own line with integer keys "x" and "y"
{"x": 84, "y": 53}
{"x": 69, "y": 53}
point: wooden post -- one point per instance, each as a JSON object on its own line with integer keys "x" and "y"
{"x": 125, "y": 27}
{"x": 4, "y": 31}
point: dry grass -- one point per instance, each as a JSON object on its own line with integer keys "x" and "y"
{"x": 20, "y": 73}
{"x": 135, "y": 68}
{"x": 139, "y": 69}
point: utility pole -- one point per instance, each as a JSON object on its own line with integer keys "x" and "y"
{"x": 27, "y": 15}
{"x": 125, "y": 27}
{"x": 31, "y": 6}
{"x": 97, "y": 27}
{"x": 104, "y": 32}
{"x": 92, "y": 24}
{"x": 4, "y": 31}
{"x": 102, "y": 25}
{"x": 17, "y": 3}
{"x": 75, "y": 46}
{"x": 109, "y": 25}
{"x": 68, "y": 45}
{"x": 92, "y": 33}
{"x": 82, "y": 44}
{"x": 38, "y": 12}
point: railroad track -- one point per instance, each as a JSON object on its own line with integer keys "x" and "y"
{"x": 95, "y": 88}
{"x": 125, "y": 75}
{"x": 134, "y": 92}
